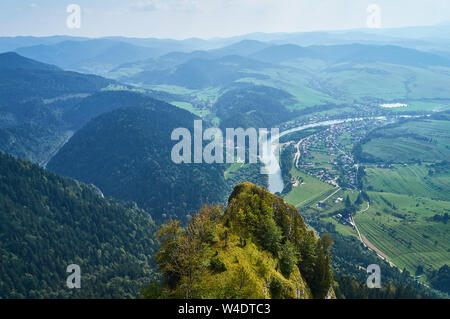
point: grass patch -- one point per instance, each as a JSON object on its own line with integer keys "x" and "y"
{"x": 190, "y": 108}
{"x": 309, "y": 189}
{"x": 400, "y": 226}
{"x": 411, "y": 141}
{"x": 408, "y": 179}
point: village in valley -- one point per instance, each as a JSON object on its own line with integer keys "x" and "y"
{"x": 327, "y": 154}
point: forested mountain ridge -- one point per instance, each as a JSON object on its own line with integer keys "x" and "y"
{"x": 33, "y": 98}
{"x": 127, "y": 153}
{"x": 48, "y": 222}
{"x": 99, "y": 55}
{"x": 257, "y": 247}
{"x": 253, "y": 106}
{"x": 24, "y": 79}
{"x": 12, "y": 60}
{"x": 100, "y": 103}
{"x": 196, "y": 72}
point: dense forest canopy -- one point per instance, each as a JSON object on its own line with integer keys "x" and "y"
{"x": 48, "y": 222}
{"x": 127, "y": 154}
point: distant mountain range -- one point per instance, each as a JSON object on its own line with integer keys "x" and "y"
{"x": 352, "y": 53}
{"x": 103, "y": 55}
{"x": 315, "y": 75}
{"x": 22, "y": 79}
{"x": 90, "y": 55}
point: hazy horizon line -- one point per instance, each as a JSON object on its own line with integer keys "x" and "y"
{"x": 365, "y": 29}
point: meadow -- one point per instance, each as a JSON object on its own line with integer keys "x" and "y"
{"x": 189, "y": 107}
{"x": 406, "y": 197}
{"x": 413, "y": 180}
{"x": 309, "y": 189}
{"x": 401, "y": 227}
{"x": 411, "y": 141}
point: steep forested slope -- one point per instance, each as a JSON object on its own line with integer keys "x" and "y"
{"x": 127, "y": 153}
{"x": 99, "y": 103}
{"x": 33, "y": 98}
{"x": 24, "y": 79}
{"x": 198, "y": 73}
{"x": 92, "y": 56}
{"x": 48, "y": 222}
{"x": 253, "y": 106}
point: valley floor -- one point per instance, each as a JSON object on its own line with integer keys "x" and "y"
{"x": 400, "y": 211}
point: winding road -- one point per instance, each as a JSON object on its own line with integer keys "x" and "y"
{"x": 366, "y": 242}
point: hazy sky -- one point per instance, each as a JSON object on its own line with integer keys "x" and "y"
{"x": 210, "y": 18}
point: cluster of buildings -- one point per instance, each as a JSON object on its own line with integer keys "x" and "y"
{"x": 323, "y": 156}
{"x": 327, "y": 154}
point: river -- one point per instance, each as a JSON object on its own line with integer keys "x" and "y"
{"x": 271, "y": 163}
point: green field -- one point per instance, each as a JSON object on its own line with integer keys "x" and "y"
{"x": 400, "y": 226}
{"x": 189, "y": 107}
{"x": 310, "y": 189}
{"x": 405, "y": 197}
{"x": 361, "y": 82}
{"x": 411, "y": 141}
{"x": 408, "y": 179}
{"x": 340, "y": 228}
{"x": 297, "y": 83}
{"x": 357, "y": 83}
{"x": 386, "y": 81}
